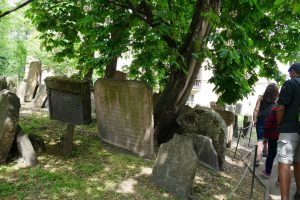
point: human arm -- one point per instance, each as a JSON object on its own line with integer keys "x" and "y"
{"x": 280, "y": 113}
{"x": 256, "y": 110}
{"x": 285, "y": 98}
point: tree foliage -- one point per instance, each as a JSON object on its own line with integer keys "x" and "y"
{"x": 20, "y": 41}
{"x": 169, "y": 40}
{"x": 246, "y": 39}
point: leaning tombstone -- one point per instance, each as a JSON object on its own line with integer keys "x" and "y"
{"x": 175, "y": 166}
{"x": 206, "y": 152}
{"x": 33, "y": 80}
{"x": 69, "y": 102}
{"x": 206, "y": 122}
{"x": 26, "y": 149}
{"x": 9, "y": 116}
{"x": 40, "y": 97}
{"x": 21, "y": 89}
{"x": 124, "y": 112}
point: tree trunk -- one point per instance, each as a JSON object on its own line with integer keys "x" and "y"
{"x": 111, "y": 68}
{"x": 180, "y": 84}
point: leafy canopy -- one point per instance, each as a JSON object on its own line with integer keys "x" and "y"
{"x": 246, "y": 38}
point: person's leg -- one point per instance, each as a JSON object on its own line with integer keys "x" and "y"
{"x": 297, "y": 166}
{"x": 284, "y": 172}
{"x": 260, "y": 147}
{"x": 272, "y": 150}
{"x": 297, "y": 176}
{"x": 285, "y": 149}
{"x": 265, "y": 148}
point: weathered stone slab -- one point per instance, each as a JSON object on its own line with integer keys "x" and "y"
{"x": 9, "y": 115}
{"x": 236, "y": 126}
{"x": 26, "y": 149}
{"x": 175, "y": 166}
{"x": 33, "y": 79}
{"x": 238, "y": 108}
{"x": 228, "y": 117}
{"x": 120, "y": 75}
{"x": 21, "y": 89}
{"x": 206, "y": 152}
{"x": 247, "y": 125}
{"x": 207, "y": 122}
{"x": 12, "y": 83}
{"x": 3, "y": 83}
{"x": 124, "y": 112}
{"x": 69, "y": 100}
{"x": 40, "y": 97}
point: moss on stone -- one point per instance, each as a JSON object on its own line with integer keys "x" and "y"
{"x": 63, "y": 84}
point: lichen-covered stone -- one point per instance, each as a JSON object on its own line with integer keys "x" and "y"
{"x": 9, "y": 115}
{"x": 32, "y": 79}
{"x": 64, "y": 84}
{"x": 175, "y": 166}
{"x": 125, "y": 114}
{"x": 207, "y": 122}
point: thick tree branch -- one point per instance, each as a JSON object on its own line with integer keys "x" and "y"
{"x": 193, "y": 27}
{"x": 16, "y": 8}
{"x": 144, "y": 12}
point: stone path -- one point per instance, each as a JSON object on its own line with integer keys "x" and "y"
{"x": 272, "y": 188}
{"x": 271, "y": 185}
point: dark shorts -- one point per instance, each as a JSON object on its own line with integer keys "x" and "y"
{"x": 260, "y": 129}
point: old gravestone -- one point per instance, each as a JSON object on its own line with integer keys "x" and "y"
{"x": 175, "y": 166}
{"x": 229, "y": 119}
{"x": 26, "y": 149}
{"x": 124, "y": 112}
{"x": 206, "y": 152}
{"x": 70, "y": 102}
{"x": 120, "y": 75}
{"x": 33, "y": 79}
{"x": 247, "y": 125}
{"x": 40, "y": 97}
{"x": 21, "y": 89}
{"x": 9, "y": 115}
{"x": 3, "y": 83}
{"x": 207, "y": 122}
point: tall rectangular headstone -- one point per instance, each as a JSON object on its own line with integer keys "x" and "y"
{"x": 124, "y": 112}
{"x": 33, "y": 79}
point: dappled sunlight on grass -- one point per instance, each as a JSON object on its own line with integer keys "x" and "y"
{"x": 231, "y": 162}
{"x": 127, "y": 186}
{"x": 96, "y": 170}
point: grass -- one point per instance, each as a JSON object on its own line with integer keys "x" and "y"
{"x": 95, "y": 170}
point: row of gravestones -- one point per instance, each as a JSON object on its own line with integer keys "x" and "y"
{"x": 30, "y": 89}
{"x": 125, "y": 119}
{"x": 124, "y": 112}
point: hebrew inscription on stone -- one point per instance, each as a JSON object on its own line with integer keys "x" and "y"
{"x": 125, "y": 115}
